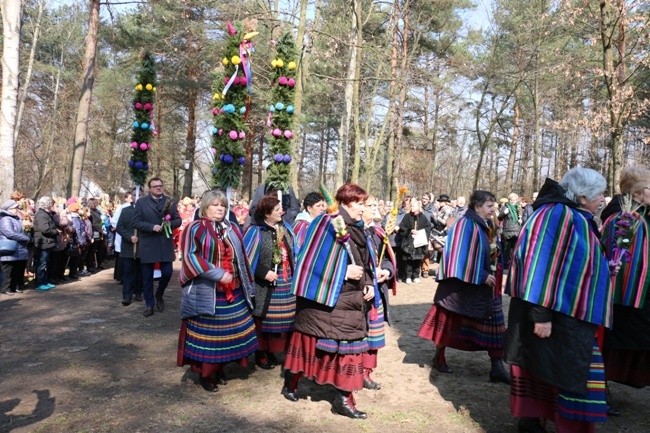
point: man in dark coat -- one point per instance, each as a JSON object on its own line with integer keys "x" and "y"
{"x": 45, "y": 233}
{"x": 290, "y": 203}
{"x": 155, "y": 242}
{"x": 131, "y": 268}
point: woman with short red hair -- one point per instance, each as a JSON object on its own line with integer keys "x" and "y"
{"x": 334, "y": 284}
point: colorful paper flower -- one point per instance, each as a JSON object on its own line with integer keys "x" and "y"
{"x": 136, "y": 125}
{"x": 134, "y": 145}
{"x": 291, "y": 82}
{"x": 290, "y": 109}
{"x": 286, "y": 159}
{"x": 144, "y": 125}
{"x": 282, "y": 81}
{"x": 228, "y": 159}
{"x": 143, "y": 146}
{"x": 233, "y": 135}
{"x": 242, "y": 135}
{"x": 225, "y": 61}
{"x": 288, "y": 134}
{"x": 138, "y": 106}
{"x": 149, "y": 87}
{"x": 291, "y": 66}
{"x": 235, "y": 60}
{"x": 138, "y": 87}
{"x": 242, "y": 160}
{"x": 279, "y": 106}
{"x": 279, "y": 158}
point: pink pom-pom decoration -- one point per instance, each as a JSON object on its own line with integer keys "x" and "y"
{"x": 288, "y": 134}
{"x": 143, "y": 146}
{"x": 138, "y": 106}
{"x": 276, "y": 132}
{"x": 221, "y": 110}
{"x": 214, "y": 151}
{"x": 134, "y": 145}
{"x": 155, "y": 133}
{"x": 233, "y": 135}
{"x": 242, "y": 135}
{"x": 168, "y": 217}
{"x": 148, "y": 106}
{"x": 236, "y": 81}
{"x": 215, "y": 111}
{"x": 282, "y": 81}
{"x": 243, "y": 81}
{"x": 225, "y": 80}
{"x": 231, "y": 29}
{"x": 221, "y": 132}
{"x": 291, "y": 82}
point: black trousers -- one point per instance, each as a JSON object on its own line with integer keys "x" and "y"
{"x": 13, "y": 275}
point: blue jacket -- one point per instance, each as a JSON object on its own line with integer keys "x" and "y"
{"x": 12, "y": 228}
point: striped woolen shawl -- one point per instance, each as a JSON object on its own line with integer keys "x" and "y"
{"x": 632, "y": 282}
{"x": 559, "y": 264}
{"x": 466, "y": 252}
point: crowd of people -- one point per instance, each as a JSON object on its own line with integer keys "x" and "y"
{"x": 308, "y": 290}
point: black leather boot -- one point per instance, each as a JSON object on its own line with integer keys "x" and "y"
{"x": 262, "y": 361}
{"x": 530, "y": 425}
{"x": 498, "y": 373}
{"x": 344, "y": 405}
{"x": 290, "y": 388}
{"x": 368, "y": 383}
{"x": 439, "y": 362}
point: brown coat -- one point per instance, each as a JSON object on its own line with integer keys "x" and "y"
{"x": 347, "y": 319}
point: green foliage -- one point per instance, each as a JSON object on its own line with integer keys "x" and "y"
{"x": 230, "y": 110}
{"x": 284, "y": 69}
{"x": 143, "y": 129}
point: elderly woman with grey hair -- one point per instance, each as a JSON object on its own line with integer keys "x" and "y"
{"x": 216, "y": 304}
{"x": 45, "y": 234}
{"x": 559, "y": 282}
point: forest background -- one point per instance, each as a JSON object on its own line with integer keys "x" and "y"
{"x": 389, "y": 92}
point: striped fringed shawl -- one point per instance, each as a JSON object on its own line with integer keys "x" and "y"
{"x": 558, "y": 263}
{"x": 466, "y": 252}
{"x": 321, "y": 265}
{"x": 632, "y": 281}
{"x": 253, "y": 243}
{"x": 199, "y": 249}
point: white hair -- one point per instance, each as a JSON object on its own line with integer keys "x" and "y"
{"x": 585, "y": 182}
{"x": 45, "y": 202}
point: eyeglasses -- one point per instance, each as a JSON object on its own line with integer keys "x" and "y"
{"x": 156, "y": 186}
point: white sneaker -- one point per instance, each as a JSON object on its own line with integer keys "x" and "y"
{"x": 416, "y": 281}
{"x": 408, "y": 281}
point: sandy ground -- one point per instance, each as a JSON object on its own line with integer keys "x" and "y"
{"x": 74, "y": 360}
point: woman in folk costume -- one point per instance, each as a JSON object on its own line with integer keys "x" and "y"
{"x": 559, "y": 282}
{"x": 313, "y": 205}
{"x": 412, "y": 222}
{"x": 626, "y": 348}
{"x": 334, "y": 283}
{"x": 270, "y": 247}
{"x": 385, "y": 272}
{"x": 216, "y": 305}
{"x": 467, "y": 313}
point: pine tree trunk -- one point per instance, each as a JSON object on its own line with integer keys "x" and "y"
{"x": 83, "y": 112}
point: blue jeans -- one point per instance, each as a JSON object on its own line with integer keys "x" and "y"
{"x": 166, "y": 269}
{"x": 42, "y": 257}
{"x": 131, "y": 278}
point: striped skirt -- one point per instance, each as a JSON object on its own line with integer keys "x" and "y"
{"x": 449, "y": 329}
{"x": 227, "y": 336}
{"x": 282, "y": 307}
{"x": 376, "y": 330}
{"x": 342, "y": 370}
{"x": 530, "y": 397}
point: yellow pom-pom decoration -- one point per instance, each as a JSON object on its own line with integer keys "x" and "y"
{"x": 250, "y": 35}
{"x": 274, "y": 63}
{"x": 154, "y": 88}
{"x": 138, "y": 87}
{"x": 225, "y": 61}
{"x": 149, "y": 87}
{"x": 235, "y": 60}
{"x": 291, "y": 66}
{"x": 216, "y": 96}
{"x": 280, "y": 63}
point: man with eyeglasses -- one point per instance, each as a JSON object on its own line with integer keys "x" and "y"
{"x": 155, "y": 244}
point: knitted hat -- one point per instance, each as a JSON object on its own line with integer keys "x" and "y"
{"x": 10, "y": 204}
